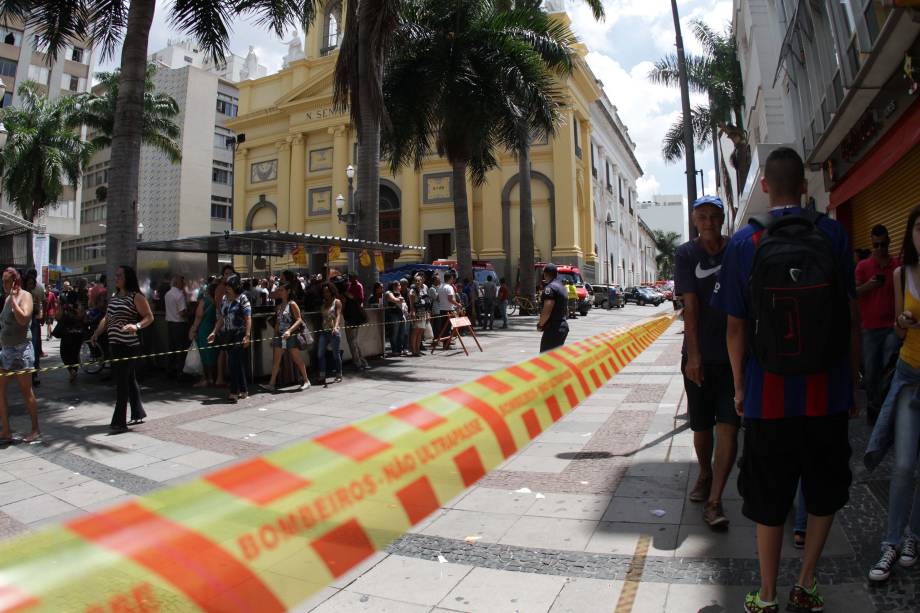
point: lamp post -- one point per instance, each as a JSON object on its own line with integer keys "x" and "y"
{"x": 609, "y": 223}
{"x": 350, "y": 219}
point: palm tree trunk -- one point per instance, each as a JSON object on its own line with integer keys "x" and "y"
{"x": 462, "y": 221}
{"x": 368, "y": 190}
{"x": 526, "y": 270}
{"x": 124, "y": 172}
{"x": 689, "y": 155}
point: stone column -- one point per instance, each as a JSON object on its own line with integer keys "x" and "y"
{"x": 339, "y": 183}
{"x": 240, "y": 204}
{"x": 566, "y": 250}
{"x": 410, "y": 214}
{"x": 298, "y": 191}
{"x": 493, "y": 247}
{"x": 284, "y": 184}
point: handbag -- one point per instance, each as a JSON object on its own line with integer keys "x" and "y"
{"x": 58, "y": 331}
{"x": 193, "y": 365}
{"x": 303, "y": 339}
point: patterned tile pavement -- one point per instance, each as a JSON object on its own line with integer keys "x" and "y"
{"x": 564, "y": 525}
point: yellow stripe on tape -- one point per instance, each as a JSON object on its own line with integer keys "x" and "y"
{"x": 267, "y": 533}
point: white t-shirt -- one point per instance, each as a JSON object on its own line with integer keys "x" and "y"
{"x": 176, "y": 302}
{"x": 445, "y": 293}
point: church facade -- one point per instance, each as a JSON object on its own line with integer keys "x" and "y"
{"x": 292, "y": 167}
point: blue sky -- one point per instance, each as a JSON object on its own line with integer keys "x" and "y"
{"x": 622, "y": 50}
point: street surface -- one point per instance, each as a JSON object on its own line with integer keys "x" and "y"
{"x": 591, "y": 516}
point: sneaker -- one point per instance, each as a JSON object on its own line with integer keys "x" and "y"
{"x": 753, "y": 604}
{"x": 700, "y": 491}
{"x": 714, "y": 516}
{"x": 805, "y": 600}
{"x": 908, "y": 552}
{"x": 882, "y": 569}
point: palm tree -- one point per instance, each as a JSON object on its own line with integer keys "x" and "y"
{"x": 97, "y": 112}
{"x": 467, "y": 75}
{"x": 526, "y": 265}
{"x": 717, "y": 74}
{"x": 358, "y": 87}
{"x": 43, "y": 150}
{"x": 105, "y": 24}
{"x": 666, "y": 244}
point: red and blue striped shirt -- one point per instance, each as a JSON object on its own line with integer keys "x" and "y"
{"x": 770, "y": 396}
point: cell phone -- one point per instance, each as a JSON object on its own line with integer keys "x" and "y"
{"x": 17, "y": 284}
{"x": 880, "y": 279}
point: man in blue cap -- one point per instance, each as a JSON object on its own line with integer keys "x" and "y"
{"x": 706, "y": 366}
{"x": 553, "y": 322}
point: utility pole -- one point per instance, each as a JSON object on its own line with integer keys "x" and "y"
{"x": 689, "y": 157}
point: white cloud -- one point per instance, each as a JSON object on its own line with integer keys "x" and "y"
{"x": 647, "y": 186}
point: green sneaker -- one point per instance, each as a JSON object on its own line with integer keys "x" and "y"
{"x": 753, "y": 604}
{"x": 805, "y": 600}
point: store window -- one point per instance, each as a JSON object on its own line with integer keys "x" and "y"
{"x": 77, "y": 54}
{"x": 8, "y": 67}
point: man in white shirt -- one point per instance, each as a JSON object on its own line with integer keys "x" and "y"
{"x": 176, "y": 302}
{"x": 447, "y": 305}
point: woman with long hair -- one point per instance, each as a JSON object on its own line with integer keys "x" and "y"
{"x": 376, "y": 297}
{"x": 287, "y": 324}
{"x": 127, "y": 313}
{"x": 419, "y": 312}
{"x": 330, "y": 335}
{"x": 205, "y": 320}
{"x": 236, "y": 321}
{"x": 17, "y": 354}
{"x": 898, "y": 423}
{"x": 395, "y": 317}
{"x": 72, "y": 323}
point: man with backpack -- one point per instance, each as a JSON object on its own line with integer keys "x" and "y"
{"x": 707, "y": 371}
{"x": 787, "y": 287}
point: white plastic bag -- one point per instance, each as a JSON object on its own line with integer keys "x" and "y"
{"x": 193, "y": 361}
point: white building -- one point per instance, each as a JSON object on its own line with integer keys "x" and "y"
{"x": 22, "y": 60}
{"x": 192, "y": 197}
{"x": 615, "y": 171}
{"x": 235, "y": 68}
{"x": 838, "y": 82}
{"x": 667, "y": 213}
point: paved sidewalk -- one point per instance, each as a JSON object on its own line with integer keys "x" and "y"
{"x": 567, "y": 524}
{"x": 593, "y": 516}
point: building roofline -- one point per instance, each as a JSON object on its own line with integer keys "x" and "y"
{"x": 625, "y": 140}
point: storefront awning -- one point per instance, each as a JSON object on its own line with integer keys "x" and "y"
{"x": 265, "y": 243}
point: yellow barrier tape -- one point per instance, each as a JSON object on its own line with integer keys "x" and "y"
{"x": 265, "y": 534}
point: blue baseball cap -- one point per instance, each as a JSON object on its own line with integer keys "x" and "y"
{"x": 713, "y": 200}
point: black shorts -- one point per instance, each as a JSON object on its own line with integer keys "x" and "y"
{"x": 714, "y": 401}
{"x": 779, "y": 452}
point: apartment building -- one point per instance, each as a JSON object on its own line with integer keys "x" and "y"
{"x": 22, "y": 59}
{"x": 667, "y": 213}
{"x": 192, "y": 197}
{"x": 838, "y": 81}
{"x": 614, "y": 171}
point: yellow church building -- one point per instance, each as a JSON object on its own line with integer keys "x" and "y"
{"x": 291, "y": 168}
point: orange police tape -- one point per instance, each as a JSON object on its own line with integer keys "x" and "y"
{"x": 267, "y": 533}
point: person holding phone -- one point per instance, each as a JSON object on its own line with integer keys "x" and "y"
{"x": 898, "y": 425}
{"x": 17, "y": 355}
{"x": 875, "y": 293}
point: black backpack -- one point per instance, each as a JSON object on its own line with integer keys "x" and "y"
{"x": 799, "y": 307}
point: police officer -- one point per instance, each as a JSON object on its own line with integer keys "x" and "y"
{"x": 553, "y": 322}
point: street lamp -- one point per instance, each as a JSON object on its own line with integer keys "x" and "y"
{"x": 140, "y": 230}
{"x": 607, "y": 224}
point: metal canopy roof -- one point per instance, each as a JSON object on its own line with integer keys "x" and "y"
{"x": 265, "y": 243}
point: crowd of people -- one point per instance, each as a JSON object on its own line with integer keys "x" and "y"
{"x": 780, "y": 321}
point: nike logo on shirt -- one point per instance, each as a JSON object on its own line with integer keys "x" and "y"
{"x": 702, "y": 274}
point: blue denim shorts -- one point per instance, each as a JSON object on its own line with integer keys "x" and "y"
{"x": 17, "y": 357}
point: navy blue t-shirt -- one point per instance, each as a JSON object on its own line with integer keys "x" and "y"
{"x": 556, "y": 292}
{"x": 696, "y": 272}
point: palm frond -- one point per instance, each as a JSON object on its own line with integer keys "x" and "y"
{"x": 279, "y": 15}
{"x": 208, "y": 21}
{"x": 108, "y": 20}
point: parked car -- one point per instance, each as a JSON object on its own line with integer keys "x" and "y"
{"x": 642, "y": 296}
{"x": 599, "y": 294}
